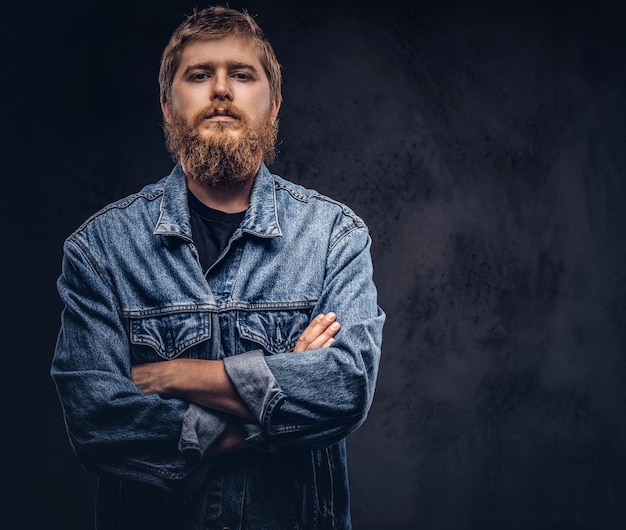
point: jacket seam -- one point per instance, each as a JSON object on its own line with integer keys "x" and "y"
{"x": 213, "y": 308}
{"x": 90, "y": 260}
{"x": 342, "y": 234}
{"x": 293, "y": 428}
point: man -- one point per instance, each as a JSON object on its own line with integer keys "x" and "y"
{"x": 221, "y": 335}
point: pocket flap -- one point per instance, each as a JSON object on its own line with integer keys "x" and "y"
{"x": 171, "y": 334}
{"x": 275, "y": 331}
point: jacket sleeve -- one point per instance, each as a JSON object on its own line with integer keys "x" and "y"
{"x": 113, "y": 427}
{"x": 319, "y": 396}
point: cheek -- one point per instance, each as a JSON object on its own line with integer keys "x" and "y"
{"x": 181, "y": 107}
{"x": 185, "y": 103}
{"x": 261, "y": 107}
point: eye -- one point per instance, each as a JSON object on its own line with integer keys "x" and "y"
{"x": 242, "y": 76}
{"x": 199, "y": 76}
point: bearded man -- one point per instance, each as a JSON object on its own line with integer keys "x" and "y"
{"x": 221, "y": 334}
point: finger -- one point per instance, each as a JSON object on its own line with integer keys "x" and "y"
{"x": 310, "y": 333}
{"x": 315, "y": 329}
{"x": 328, "y": 343}
{"x": 327, "y": 334}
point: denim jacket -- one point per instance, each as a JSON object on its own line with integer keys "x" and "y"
{"x": 134, "y": 292}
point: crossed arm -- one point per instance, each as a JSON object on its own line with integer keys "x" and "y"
{"x": 206, "y": 382}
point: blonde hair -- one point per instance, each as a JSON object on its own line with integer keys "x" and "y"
{"x": 215, "y": 23}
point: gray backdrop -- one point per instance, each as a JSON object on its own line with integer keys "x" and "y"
{"x": 483, "y": 144}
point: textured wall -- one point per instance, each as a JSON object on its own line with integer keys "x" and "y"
{"x": 484, "y": 146}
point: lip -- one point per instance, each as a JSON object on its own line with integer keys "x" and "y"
{"x": 221, "y": 116}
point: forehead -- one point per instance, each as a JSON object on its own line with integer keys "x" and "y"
{"x": 221, "y": 52}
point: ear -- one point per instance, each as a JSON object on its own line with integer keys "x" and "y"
{"x": 165, "y": 109}
{"x": 276, "y": 107}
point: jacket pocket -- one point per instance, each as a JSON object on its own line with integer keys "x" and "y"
{"x": 274, "y": 331}
{"x": 168, "y": 336}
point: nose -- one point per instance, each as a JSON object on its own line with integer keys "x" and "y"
{"x": 222, "y": 88}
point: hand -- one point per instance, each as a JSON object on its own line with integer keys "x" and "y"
{"x": 232, "y": 439}
{"x": 319, "y": 333}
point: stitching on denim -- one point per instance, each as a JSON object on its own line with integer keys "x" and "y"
{"x": 213, "y": 308}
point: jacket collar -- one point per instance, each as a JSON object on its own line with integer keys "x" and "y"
{"x": 261, "y": 216}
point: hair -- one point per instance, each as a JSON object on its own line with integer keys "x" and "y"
{"x": 215, "y": 23}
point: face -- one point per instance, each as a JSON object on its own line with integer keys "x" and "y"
{"x": 224, "y": 78}
{"x": 220, "y": 121}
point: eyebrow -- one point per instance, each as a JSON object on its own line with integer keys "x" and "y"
{"x": 231, "y": 65}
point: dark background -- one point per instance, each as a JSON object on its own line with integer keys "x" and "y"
{"x": 485, "y": 147}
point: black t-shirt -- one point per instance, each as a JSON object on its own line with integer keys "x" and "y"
{"x": 211, "y": 230}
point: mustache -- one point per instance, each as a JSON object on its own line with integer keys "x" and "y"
{"x": 222, "y": 108}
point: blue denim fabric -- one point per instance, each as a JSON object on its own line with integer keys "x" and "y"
{"x": 134, "y": 292}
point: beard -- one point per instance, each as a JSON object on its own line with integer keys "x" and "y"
{"x": 221, "y": 153}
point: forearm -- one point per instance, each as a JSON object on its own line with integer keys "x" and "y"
{"x": 203, "y": 382}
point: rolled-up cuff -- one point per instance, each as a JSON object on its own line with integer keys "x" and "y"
{"x": 201, "y": 428}
{"x": 256, "y": 385}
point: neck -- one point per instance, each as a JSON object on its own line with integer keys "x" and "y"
{"x": 232, "y": 198}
